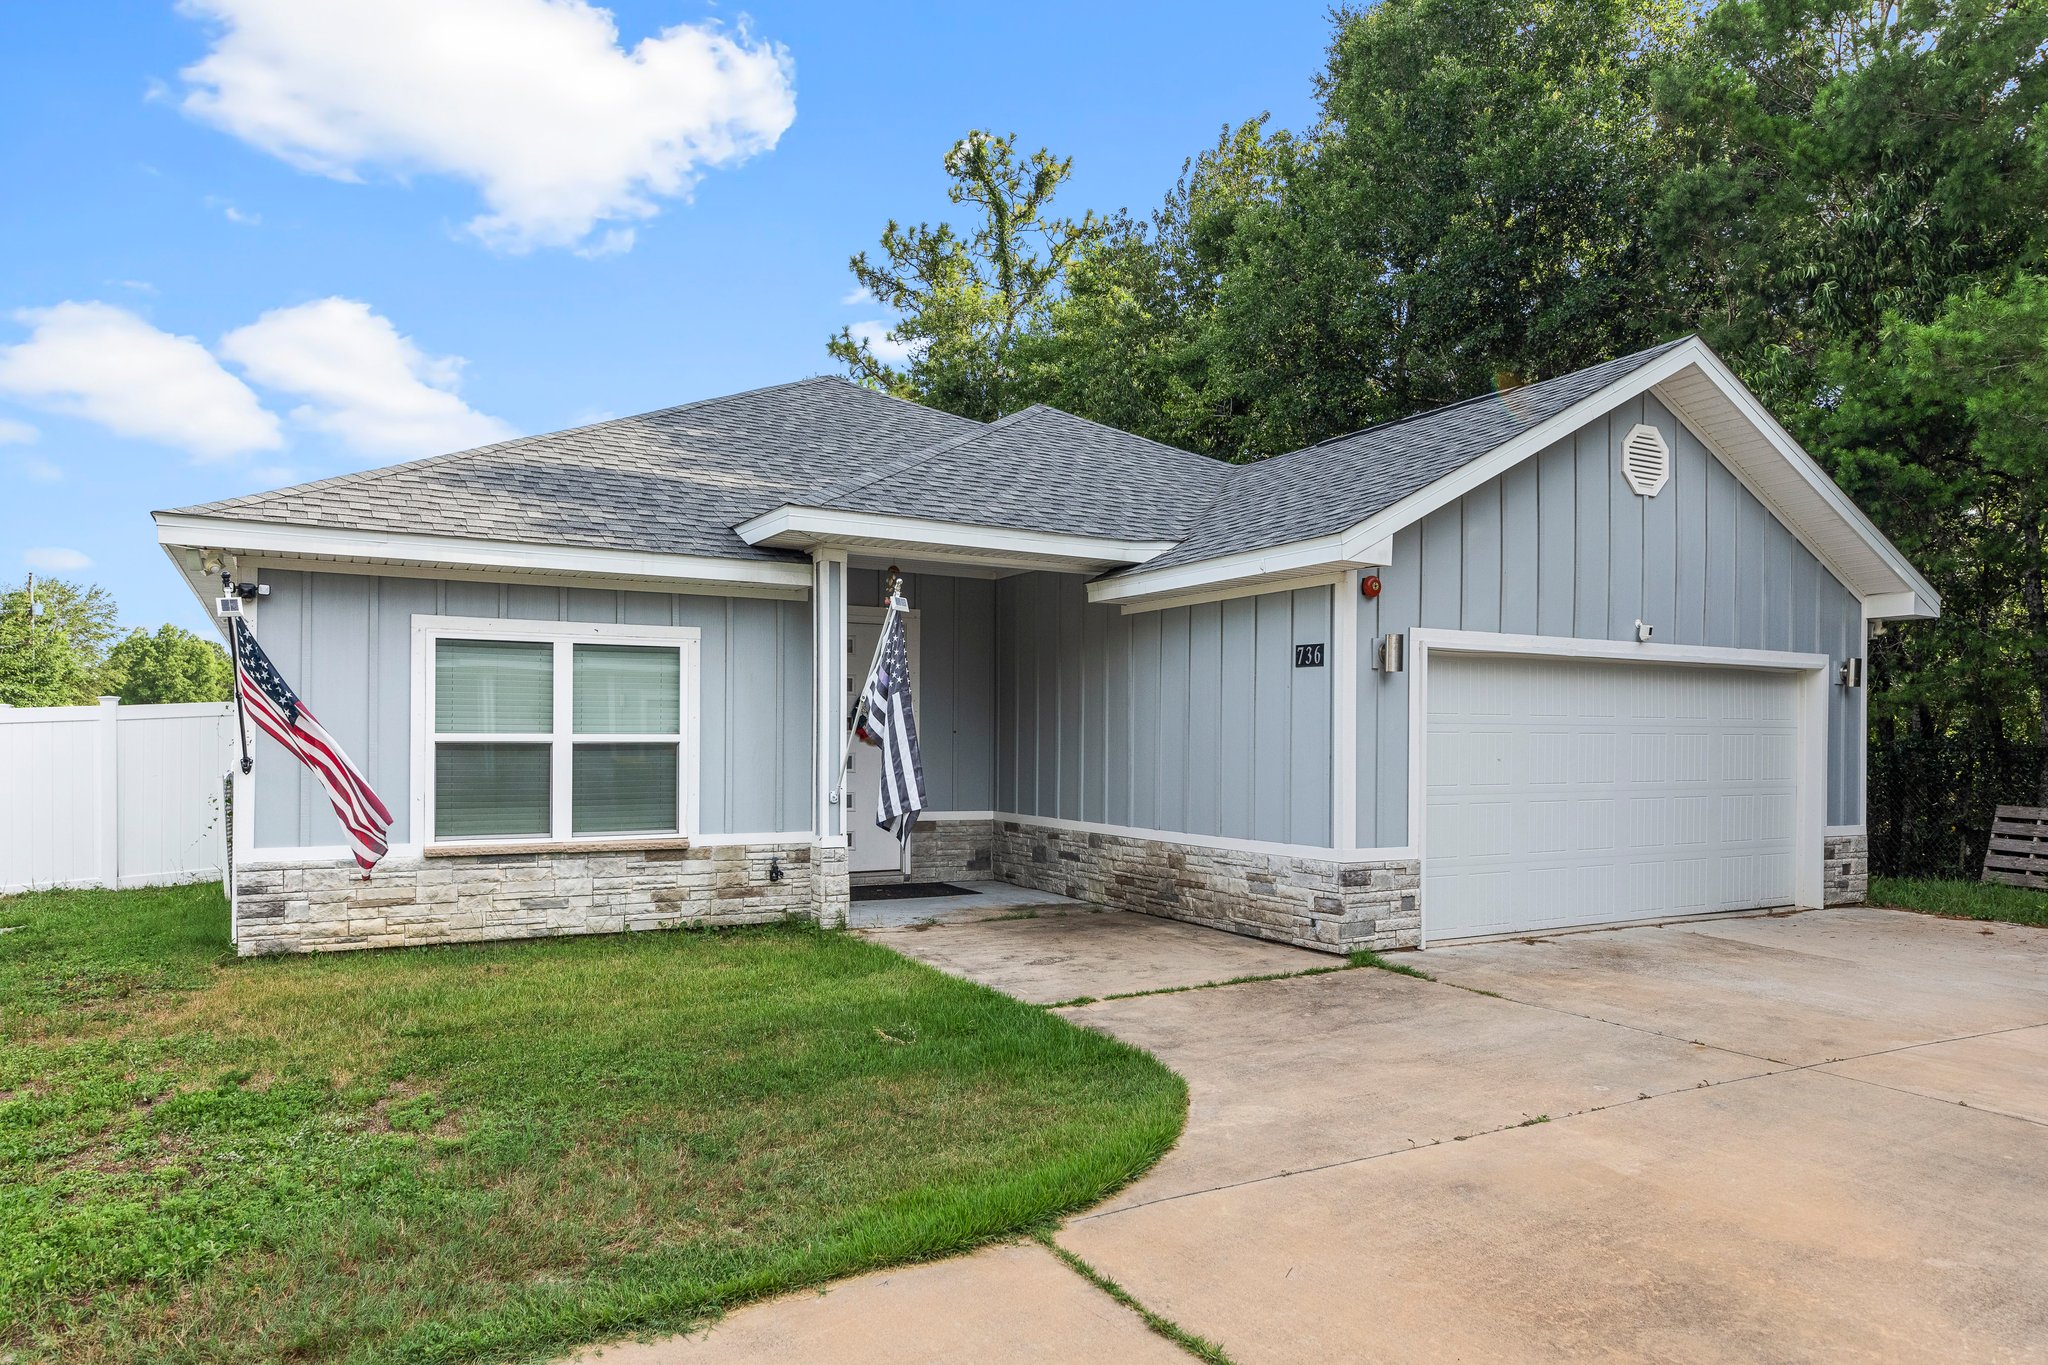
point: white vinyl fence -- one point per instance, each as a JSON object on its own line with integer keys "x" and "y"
{"x": 113, "y": 795}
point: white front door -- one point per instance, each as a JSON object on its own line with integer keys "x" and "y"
{"x": 869, "y": 847}
{"x": 1567, "y": 792}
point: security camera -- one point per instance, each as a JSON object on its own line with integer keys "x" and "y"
{"x": 1644, "y": 630}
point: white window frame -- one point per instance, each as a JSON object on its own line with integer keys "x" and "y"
{"x": 427, "y": 631}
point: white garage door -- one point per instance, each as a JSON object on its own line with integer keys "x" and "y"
{"x": 1566, "y": 792}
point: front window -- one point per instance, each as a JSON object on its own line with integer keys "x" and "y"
{"x": 557, "y": 738}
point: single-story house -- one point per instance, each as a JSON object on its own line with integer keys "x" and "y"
{"x": 1586, "y": 651}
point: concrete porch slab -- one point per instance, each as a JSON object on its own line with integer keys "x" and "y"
{"x": 1065, "y": 955}
{"x": 981, "y": 900}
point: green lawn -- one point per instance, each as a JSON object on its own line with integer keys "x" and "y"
{"x": 496, "y": 1152}
{"x": 1964, "y": 900}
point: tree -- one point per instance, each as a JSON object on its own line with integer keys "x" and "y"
{"x": 1986, "y": 356}
{"x": 173, "y": 665}
{"x": 1472, "y": 212}
{"x": 53, "y": 659}
{"x": 1125, "y": 342}
{"x": 1855, "y": 215}
{"x": 962, "y": 305}
{"x": 1847, "y": 163}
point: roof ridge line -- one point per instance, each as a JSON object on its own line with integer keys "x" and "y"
{"x": 890, "y": 468}
{"x": 1441, "y": 408}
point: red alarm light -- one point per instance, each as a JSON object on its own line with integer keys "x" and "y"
{"x": 1370, "y": 586}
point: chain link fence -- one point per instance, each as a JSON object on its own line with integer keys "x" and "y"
{"x": 1932, "y": 800}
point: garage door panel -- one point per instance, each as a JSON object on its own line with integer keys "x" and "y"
{"x": 1664, "y": 790}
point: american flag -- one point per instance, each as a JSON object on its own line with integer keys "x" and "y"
{"x": 279, "y": 713}
{"x": 888, "y": 722}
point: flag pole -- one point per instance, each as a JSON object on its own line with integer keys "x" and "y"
{"x": 227, "y": 583}
{"x": 894, "y": 583}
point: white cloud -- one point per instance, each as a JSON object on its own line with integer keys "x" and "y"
{"x": 857, "y": 295}
{"x": 107, "y": 365}
{"x": 361, "y": 378}
{"x": 55, "y": 559}
{"x": 233, "y": 214}
{"x": 532, "y": 101}
{"x": 13, "y": 433}
{"x": 876, "y": 335}
{"x": 36, "y": 469}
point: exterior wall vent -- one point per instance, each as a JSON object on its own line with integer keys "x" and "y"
{"x": 1645, "y": 460}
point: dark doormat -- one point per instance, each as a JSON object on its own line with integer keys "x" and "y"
{"x": 893, "y": 891}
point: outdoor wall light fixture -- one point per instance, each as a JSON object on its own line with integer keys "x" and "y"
{"x": 1852, "y": 671}
{"x": 1391, "y": 656}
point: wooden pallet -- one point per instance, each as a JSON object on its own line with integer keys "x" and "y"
{"x": 2018, "y": 855}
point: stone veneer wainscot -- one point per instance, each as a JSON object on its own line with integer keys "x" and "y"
{"x": 1322, "y": 903}
{"x": 295, "y": 907}
{"x": 1848, "y": 869}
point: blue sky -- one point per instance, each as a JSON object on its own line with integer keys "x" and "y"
{"x": 248, "y": 242}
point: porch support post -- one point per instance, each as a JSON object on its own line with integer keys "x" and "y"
{"x": 829, "y": 699}
{"x": 829, "y": 891}
{"x": 1344, "y": 723}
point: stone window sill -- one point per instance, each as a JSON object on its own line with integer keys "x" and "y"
{"x": 647, "y": 845}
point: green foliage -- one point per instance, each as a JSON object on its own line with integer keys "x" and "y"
{"x": 54, "y": 659}
{"x": 1963, "y": 900}
{"x": 963, "y": 303}
{"x": 1851, "y": 174}
{"x": 1471, "y": 214}
{"x": 173, "y": 665}
{"x": 1846, "y": 200}
{"x": 507, "y": 1150}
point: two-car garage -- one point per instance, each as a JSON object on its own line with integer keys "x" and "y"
{"x": 1568, "y": 791}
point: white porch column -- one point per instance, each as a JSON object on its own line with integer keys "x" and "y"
{"x": 1344, "y": 723}
{"x": 828, "y": 721}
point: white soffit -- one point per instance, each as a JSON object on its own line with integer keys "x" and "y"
{"x": 386, "y": 552}
{"x": 1709, "y": 399}
{"x": 943, "y": 542}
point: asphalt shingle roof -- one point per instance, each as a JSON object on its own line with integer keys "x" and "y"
{"x": 1332, "y": 486}
{"x": 678, "y": 481}
{"x": 675, "y": 481}
{"x": 1044, "y": 470}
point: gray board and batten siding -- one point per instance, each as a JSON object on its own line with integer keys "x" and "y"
{"x": 344, "y": 642}
{"x": 954, "y": 682}
{"x": 1191, "y": 720}
{"x": 1560, "y": 545}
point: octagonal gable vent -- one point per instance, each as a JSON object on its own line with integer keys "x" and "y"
{"x": 1645, "y": 459}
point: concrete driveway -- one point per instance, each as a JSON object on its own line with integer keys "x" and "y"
{"x": 1819, "y": 1136}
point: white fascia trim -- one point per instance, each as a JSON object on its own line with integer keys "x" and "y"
{"x": 794, "y": 527}
{"x": 1251, "y": 587}
{"x": 1318, "y": 560}
{"x": 278, "y": 538}
{"x": 1618, "y": 651}
{"x": 1371, "y": 541}
{"x": 1759, "y": 416}
{"x": 1900, "y": 606}
{"x": 1475, "y": 474}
